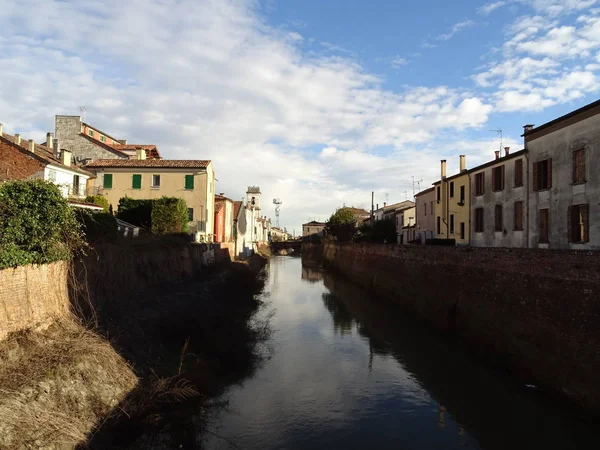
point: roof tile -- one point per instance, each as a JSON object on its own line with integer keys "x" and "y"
{"x": 150, "y": 163}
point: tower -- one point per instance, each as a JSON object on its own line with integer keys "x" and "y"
{"x": 253, "y": 198}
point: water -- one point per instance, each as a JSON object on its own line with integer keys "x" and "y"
{"x": 350, "y": 372}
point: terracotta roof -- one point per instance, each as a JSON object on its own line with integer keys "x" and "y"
{"x": 43, "y": 154}
{"x": 426, "y": 191}
{"x": 151, "y": 149}
{"x": 222, "y": 198}
{"x": 314, "y": 222}
{"x": 98, "y": 130}
{"x": 150, "y": 163}
{"x": 219, "y": 207}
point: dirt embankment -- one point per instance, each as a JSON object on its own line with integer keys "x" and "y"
{"x": 147, "y": 374}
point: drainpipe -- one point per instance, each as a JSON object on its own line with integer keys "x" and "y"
{"x": 526, "y": 158}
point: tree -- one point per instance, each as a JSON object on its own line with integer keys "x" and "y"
{"x": 383, "y": 231}
{"x": 341, "y": 225}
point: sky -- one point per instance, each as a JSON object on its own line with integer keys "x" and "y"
{"x": 317, "y": 102}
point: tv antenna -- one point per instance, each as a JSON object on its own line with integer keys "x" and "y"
{"x": 499, "y": 131}
{"x": 82, "y": 110}
{"x": 277, "y": 204}
{"x": 418, "y": 183}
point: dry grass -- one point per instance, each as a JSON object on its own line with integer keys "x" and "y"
{"x": 56, "y": 384}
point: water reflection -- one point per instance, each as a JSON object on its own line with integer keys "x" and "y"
{"x": 351, "y": 372}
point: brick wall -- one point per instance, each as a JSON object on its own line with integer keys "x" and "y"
{"x": 534, "y": 311}
{"x": 32, "y": 296}
{"x": 15, "y": 165}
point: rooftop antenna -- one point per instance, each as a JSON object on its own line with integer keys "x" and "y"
{"x": 387, "y": 197}
{"x": 418, "y": 182}
{"x": 405, "y": 195}
{"x": 277, "y": 204}
{"x": 82, "y": 110}
{"x": 499, "y": 131}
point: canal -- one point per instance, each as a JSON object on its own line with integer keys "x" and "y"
{"x": 347, "y": 371}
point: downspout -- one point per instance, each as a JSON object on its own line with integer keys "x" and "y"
{"x": 527, "y": 197}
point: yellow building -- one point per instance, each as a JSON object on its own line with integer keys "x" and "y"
{"x": 452, "y": 205}
{"x": 191, "y": 180}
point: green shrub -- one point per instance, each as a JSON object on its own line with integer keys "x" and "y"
{"x": 98, "y": 226}
{"x": 341, "y": 225}
{"x": 169, "y": 215}
{"x": 136, "y": 212}
{"x": 37, "y": 225}
{"x": 99, "y": 200}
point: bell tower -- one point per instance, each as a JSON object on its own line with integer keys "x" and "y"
{"x": 253, "y": 198}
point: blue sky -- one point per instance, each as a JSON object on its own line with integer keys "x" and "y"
{"x": 318, "y": 102}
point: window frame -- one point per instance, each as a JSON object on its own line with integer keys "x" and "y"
{"x": 102, "y": 138}
{"x": 479, "y": 220}
{"x": 439, "y": 225}
{"x": 538, "y": 175}
{"x": 452, "y": 189}
{"x": 190, "y": 212}
{"x": 498, "y": 178}
{"x": 462, "y": 194}
{"x": 578, "y": 178}
{"x": 451, "y": 223}
{"x": 479, "y": 184}
{"x": 498, "y": 218}
{"x": 189, "y": 181}
{"x": 582, "y": 211}
{"x": 134, "y": 177}
{"x": 519, "y": 172}
{"x": 90, "y": 133}
{"x": 105, "y": 179}
{"x": 155, "y": 186}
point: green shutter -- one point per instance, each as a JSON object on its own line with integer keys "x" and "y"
{"x": 108, "y": 180}
{"x": 137, "y": 181}
{"x": 189, "y": 181}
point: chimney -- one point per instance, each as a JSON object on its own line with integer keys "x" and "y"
{"x": 31, "y": 146}
{"x": 222, "y": 194}
{"x": 65, "y": 157}
{"x": 462, "y": 163}
{"x": 122, "y": 141}
{"x": 377, "y": 206}
{"x": 506, "y": 151}
{"x": 528, "y": 127}
{"x": 497, "y": 152}
{"x": 1, "y": 129}
{"x": 56, "y": 148}
{"x": 140, "y": 153}
{"x": 18, "y": 139}
{"x": 443, "y": 168}
{"x": 50, "y": 141}
{"x": 384, "y": 204}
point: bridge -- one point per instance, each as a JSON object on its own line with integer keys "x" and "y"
{"x": 286, "y": 245}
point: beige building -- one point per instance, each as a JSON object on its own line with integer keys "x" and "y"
{"x": 313, "y": 227}
{"x": 191, "y": 180}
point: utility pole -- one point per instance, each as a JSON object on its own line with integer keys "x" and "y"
{"x": 418, "y": 185}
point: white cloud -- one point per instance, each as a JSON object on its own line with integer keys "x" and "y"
{"x": 489, "y": 7}
{"x": 456, "y": 28}
{"x": 210, "y": 79}
{"x": 397, "y": 62}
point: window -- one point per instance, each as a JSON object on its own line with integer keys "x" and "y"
{"x": 518, "y": 216}
{"x": 542, "y": 175}
{"x": 108, "y": 180}
{"x": 136, "y": 181}
{"x": 424, "y": 208}
{"x": 432, "y": 210}
{"x": 439, "y": 196}
{"x": 498, "y": 178}
{"x": 578, "y": 223}
{"x": 439, "y": 226}
{"x": 190, "y": 214}
{"x": 479, "y": 183}
{"x": 451, "y": 189}
{"x": 579, "y": 166}
{"x": 462, "y": 230}
{"x": 451, "y": 223}
{"x": 91, "y": 133}
{"x": 155, "y": 181}
{"x": 519, "y": 172}
{"x": 479, "y": 220}
{"x": 462, "y": 194}
{"x": 544, "y": 225}
{"x": 52, "y": 175}
{"x": 210, "y": 186}
{"x": 189, "y": 181}
{"x": 498, "y": 225}
{"x": 102, "y": 138}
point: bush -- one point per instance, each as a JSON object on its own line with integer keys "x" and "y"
{"x": 169, "y": 215}
{"x": 98, "y": 226}
{"x": 99, "y": 200}
{"x": 136, "y": 212}
{"x": 37, "y": 225}
{"x": 383, "y": 231}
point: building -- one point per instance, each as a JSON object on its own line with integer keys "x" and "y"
{"x": 313, "y": 228}
{"x": 242, "y": 247}
{"x": 451, "y": 205}
{"x": 279, "y": 235}
{"x": 564, "y": 177}
{"x": 191, "y": 180}
{"x": 22, "y": 159}
{"x": 425, "y": 214}
{"x": 499, "y": 200}
{"x": 252, "y": 207}
{"x": 223, "y": 219}
{"x": 88, "y": 143}
{"x": 406, "y": 224}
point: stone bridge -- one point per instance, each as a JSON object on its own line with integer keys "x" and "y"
{"x": 276, "y": 247}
